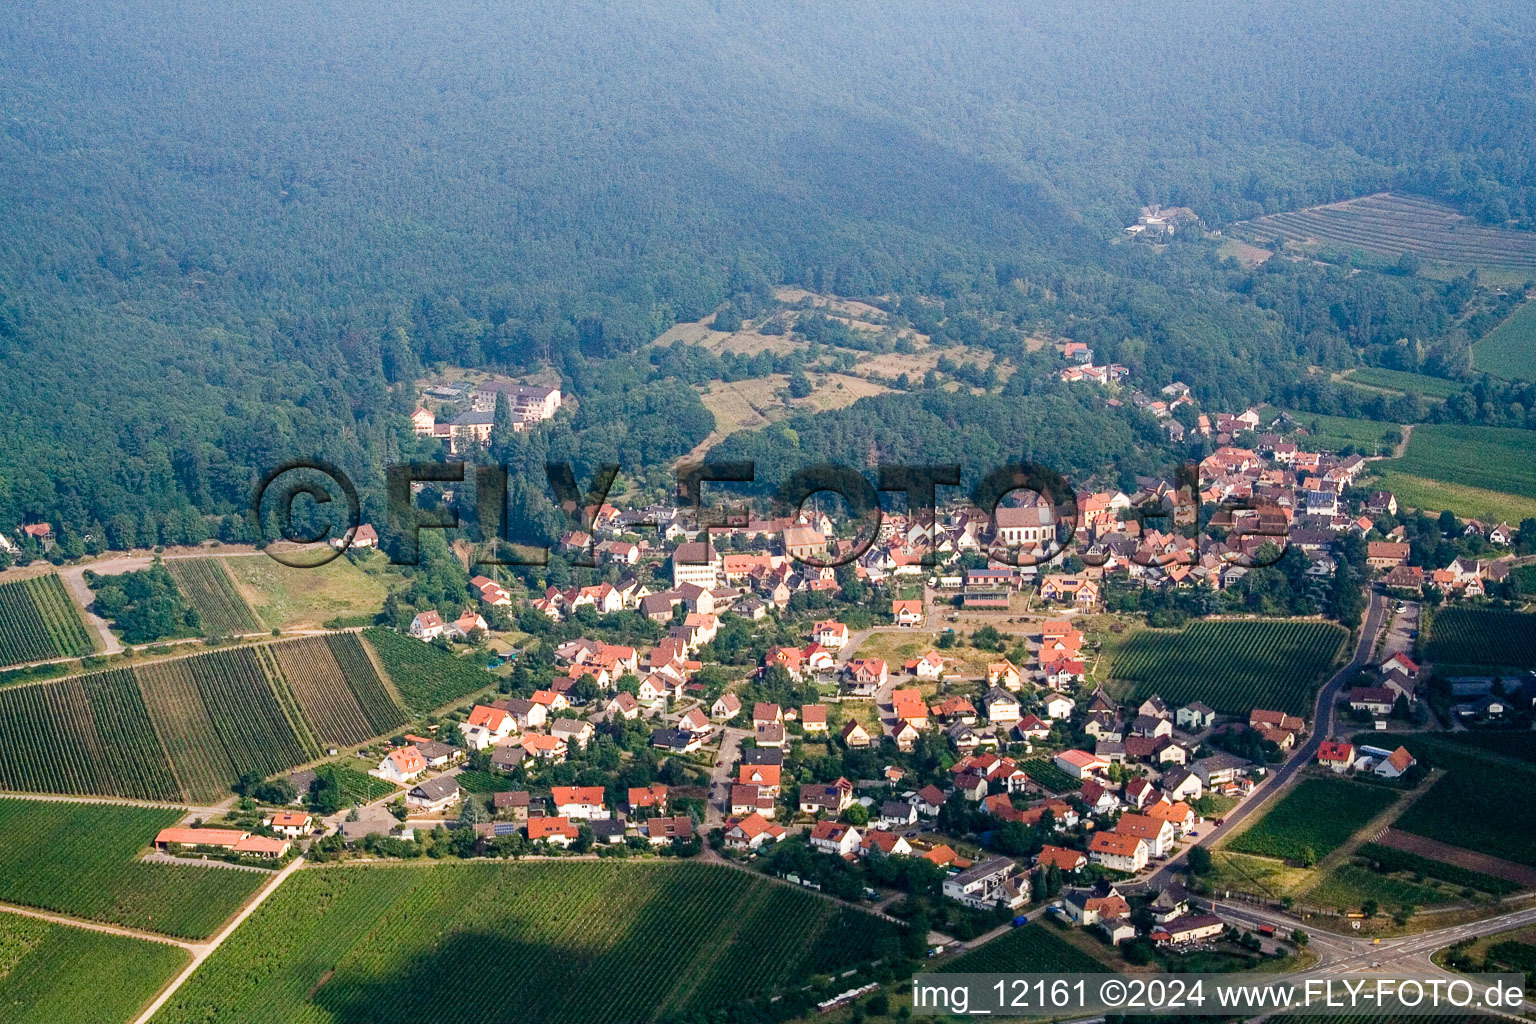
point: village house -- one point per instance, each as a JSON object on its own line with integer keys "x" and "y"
{"x": 402, "y": 765}
{"x": 579, "y": 802}
{"x": 1158, "y": 834}
{"x": 1118, "y": 852}
{"x": 986, "y": 885}
{"x": 751, "y": 832}
{"x": 432, "y": 796}
{"x": 1336, "y": 755}
{"x": 1067, "y": 861}
{"x": 1079, "y": 763}
{"x": 907, "y": 613}
{"x": 427, "y": 625}
{"x": 854, "y": 735}
{"x": 555, "y": 831}
{"x": 831, "y": 799}
{"x": 290, "y": 824}
{"x": 835, "y": 838}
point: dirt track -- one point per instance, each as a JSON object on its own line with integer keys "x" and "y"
{"x": 1495, "y": 866}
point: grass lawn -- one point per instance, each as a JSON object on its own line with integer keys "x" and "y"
{"x": 51, "y": 973}
{"x": 1264, "y": 876}
{"x": 1509, "y": 350}
{"x": 288, "y": 598}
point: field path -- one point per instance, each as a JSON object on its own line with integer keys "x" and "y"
{"x": 203, "y": 951}
{"x": 74, "y": 579}
{"x": 96, "y": 926}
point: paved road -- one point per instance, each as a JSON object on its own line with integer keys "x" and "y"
{"x": 1323, "y": 723}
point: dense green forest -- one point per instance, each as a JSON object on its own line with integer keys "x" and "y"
{"x": 233, "y": 234}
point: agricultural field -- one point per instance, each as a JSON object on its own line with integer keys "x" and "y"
{"x": 82, "y": 859}
{"x": 1316, "y": 816}
{"x": 1478, "y": 636}
{"x": 1389, "y": 858}
{"x": 52, "y": 972}
{"x": 592, "y": 941}
{"x": 425, "y": 677}
{"x": 1349, "y": 886}
{"x": 1482, "y": 803}
{"x": 1369, "y": 436}
{"x": 345, "y": 714}
{"x": 1234, "y": 666}
{"x": 1402, "y": 382}
{"x": 356, "y": 785}
{"x": 1389, "y": 225}
{"x": 1479, "y": 472}
{"x": 1033, "y": 948}
{"x": 206, "y": 587}
{"x": 288, "y": 598}
{"x": 39, "y": 622}
{"x": 1045, "y": 772}
{"x": 1509, "y": 350}
{"x": 186, "y": 729}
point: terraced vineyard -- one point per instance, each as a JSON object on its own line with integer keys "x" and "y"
{"x": 1403, "y": 382}
{"x": 186, "y": 729}
{"x": 206, "y": 586}
{"x": 39, "y": 622}
{"x": 425, "y": 677}
{"x": 83, "y": 859}
{"x": 1317, "y": 815}
{"x": 1476, "y": 636}
{"x": 51, "y": 973}
{"x": 591, "y": 941}
{"x": 1388, "y": 224}
{"x": 1233, "y": 666}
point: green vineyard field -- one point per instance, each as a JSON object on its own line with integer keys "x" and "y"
{"x": 344, "y": 715}
{"x": 1483, "y": 802}
{"x": 1031, "y": 949}
{"x": 599, "y": 942}
{"x": 1234, "y": 666}
{"x": 1319, "y": 814}
{"x": 51, "y": 973}
{"x": 206, "y": 586}
{"x": 1475, "y": 636}
{"x": 425, "y": 677}
{"x": 1048, "y": 775}
{"x": 1509, "y": 350}
{"x": 83, "y": 859}
{"x": 188, "y": 728}
{"x": 39, "y": 622}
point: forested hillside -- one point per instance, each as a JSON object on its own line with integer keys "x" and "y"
{"x": 229, "y": 230}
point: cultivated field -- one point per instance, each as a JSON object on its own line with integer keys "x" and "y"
{"x": 345, "y": 715}
{"x": 186, "y": 729}
{"x": 1479, "y": 472}
{"x": 51, "y": 973}
{"x": 1402, "y": 382}
{"x": 1509, "y": 350}
{"x": 1317, "y": 816}
{"x": 1045, "y": 772}
{"x": 481, "y": 943}
{"x": 1483, "y": 803}
{"x": 425, "y": 677}
{"x": 1369, "y": 436}
{"x": 356, "y": 785}
{"x": 1391, "y": 858}
{"x": 1389, "y": 225}
{"x": 1479, "y": 636}
{"x": 39, "y": 622}
{"x": 287, "y": 598}
{"x": 1234, "y": 666}
{"x": 1350, "y": 886}
{"x": 1031, "y": 949}
{"x": 206, "y": 587}
{"x": 83, "y": 860}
